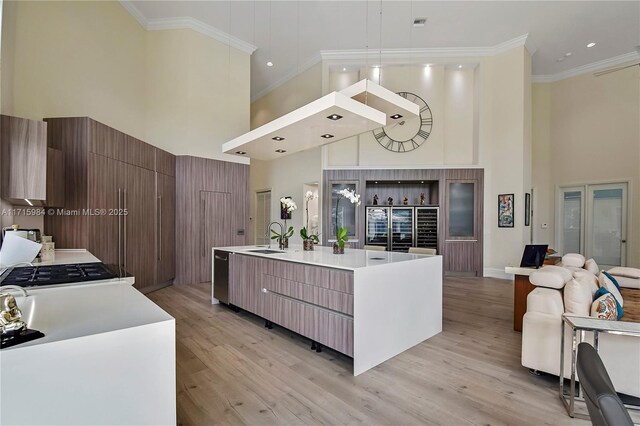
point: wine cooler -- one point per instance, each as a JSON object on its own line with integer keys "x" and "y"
{"x": 399, "y": 228}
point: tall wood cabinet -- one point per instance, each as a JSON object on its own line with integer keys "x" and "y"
{"x": 214, "y": 209}
{"x": 121, "y": 208}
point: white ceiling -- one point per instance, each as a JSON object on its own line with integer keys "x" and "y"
{"x": 291, "y": 33}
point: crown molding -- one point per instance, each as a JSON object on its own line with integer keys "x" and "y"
{"x": 315, "y": 59}
{"x": 418, "y": 55}
{"x": 185, "y": 22}
{"x": 588, "y": 68}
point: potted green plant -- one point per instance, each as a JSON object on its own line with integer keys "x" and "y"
{"x": 341, "y": 238}
{"x": 308, "y": 238}
{"x": 283, "y": 239}
{"x": 341, "y": 232}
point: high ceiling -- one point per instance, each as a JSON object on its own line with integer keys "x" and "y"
{"x": 290, "y": 33}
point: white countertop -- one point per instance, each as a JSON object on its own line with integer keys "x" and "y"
{"x": 68, "y": 256}
{"x": 352, "y": 259}
{"x": 79, "y": 311}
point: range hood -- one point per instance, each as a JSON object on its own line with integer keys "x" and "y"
{"x": 359, "y": 108}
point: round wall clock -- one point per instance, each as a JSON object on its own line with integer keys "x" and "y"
{"x": 407, "y": 135}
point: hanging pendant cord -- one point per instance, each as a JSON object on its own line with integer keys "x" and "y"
{"x": 380, "y": 48}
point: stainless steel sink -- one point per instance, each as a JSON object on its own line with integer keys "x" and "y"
{"x": 265, "y": 251}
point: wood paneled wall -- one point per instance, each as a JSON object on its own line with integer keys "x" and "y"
{"x": 194, "y": 175}
{"x": 460, "y": 256}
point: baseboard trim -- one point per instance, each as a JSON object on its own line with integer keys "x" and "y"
{"x": 156, "y": 287}
{"x": 497, "y": 273}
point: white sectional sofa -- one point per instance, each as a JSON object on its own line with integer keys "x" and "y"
{"x": 542, "y": 326}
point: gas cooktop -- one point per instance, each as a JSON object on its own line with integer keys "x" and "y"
{"x": 36, "y": 276}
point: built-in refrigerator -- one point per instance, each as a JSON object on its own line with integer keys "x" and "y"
{"x": 399, "y": 228}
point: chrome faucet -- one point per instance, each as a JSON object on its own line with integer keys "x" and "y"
{"x": 14, "y": 287}
{"x": 280, "y": 240}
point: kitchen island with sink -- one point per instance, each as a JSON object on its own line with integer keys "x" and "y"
{"x": 369, "y": 305}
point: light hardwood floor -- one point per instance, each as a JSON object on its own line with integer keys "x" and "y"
{"x": 232, "y": 370}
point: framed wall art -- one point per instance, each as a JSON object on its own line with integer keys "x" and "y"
{"x": 505, "y": 210}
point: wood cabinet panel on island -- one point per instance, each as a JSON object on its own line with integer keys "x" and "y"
{"x": 368, "y": 305}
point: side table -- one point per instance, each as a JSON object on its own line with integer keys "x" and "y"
{"x": 580, "y": 325}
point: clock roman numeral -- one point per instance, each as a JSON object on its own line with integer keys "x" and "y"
{"x": 427, "y": 121}
{"x": 424, "y": 108}
{"x": 401, "y": 147}
{"x": 380, "y": 135}
{"x": 414, "y": 144}
{"x": 403, "y": 94}
{"x": 423, "y": 133}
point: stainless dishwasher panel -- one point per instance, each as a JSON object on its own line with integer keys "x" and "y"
{"x": 221, "y": 276}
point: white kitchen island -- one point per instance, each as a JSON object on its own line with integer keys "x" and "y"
{"x": 370, "y": 305}
{"x": 108, "y": 357}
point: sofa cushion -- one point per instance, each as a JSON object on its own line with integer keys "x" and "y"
{"x": 591, "y": 266}
{"x": 545, "y": 301}
{"x": 577, "y": 298}
{"x": 626, "y": 282}
{"x": 588, "y": 279}
{"x": 573, "y": 259}
{"x": 545, "y": 277}
{"x": 624, "y": 271}
{"x": 605, "y": 282}
{"x": 605, "y": 307}
{"x": 613, "y": 280}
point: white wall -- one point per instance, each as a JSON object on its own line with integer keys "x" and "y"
{"x": 176, "y": 89}
{"x": 504, "y": 134}
{"x": 587, "y": 130}
{"x": 450, "y": 94}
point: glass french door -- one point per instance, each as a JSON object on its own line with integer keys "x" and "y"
{"x": 607, "y": 224}
{"x": 570, "y": 238}
{"x": 592, "y": 220}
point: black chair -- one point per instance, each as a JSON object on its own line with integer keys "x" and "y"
{"x": 604, "y": 405}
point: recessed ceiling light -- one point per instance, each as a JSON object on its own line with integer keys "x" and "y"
{"x": 326, "y": 136}
{"x": 277, "y": 138}
{"x": 376, "y": 181}
{"x": 591, "y": 44}
{"x": 421, "y": 181}
{"x": 334, "y": 117}
{"x": 419, "y": 22}
{"x": 280, "y": 151}
{"x": 396, "y": 116}
{"x": 399, "y": 182}
{"x": 459, "y": 66}
{"x": 240, "y": 152}
{"x": 568, "y": 54}
{"x": 269, "y": 64}
{"x": 344, "y": 69}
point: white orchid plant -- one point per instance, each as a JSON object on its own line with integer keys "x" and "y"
{"x": 304, "y": 232}
{"x": 341, "y": 233}
{"x": 288, "y": 206}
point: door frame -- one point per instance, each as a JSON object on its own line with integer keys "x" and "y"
{"x": 585, "y": 185}
{"x": 255, "y": 211}
{"x": 559, "y": 239}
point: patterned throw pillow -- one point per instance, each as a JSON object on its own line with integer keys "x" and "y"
{"x": 605, "y": 282}
{"x": 605, "y": 307}
{"x": 602, "y": 291}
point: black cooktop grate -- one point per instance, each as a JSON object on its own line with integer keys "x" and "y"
{"x": 32, "y": 276}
